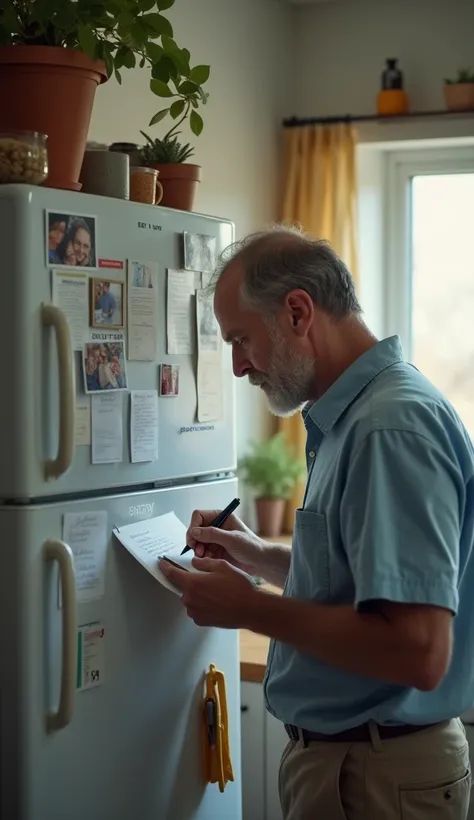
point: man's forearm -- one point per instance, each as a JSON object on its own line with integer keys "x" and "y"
{"x": 360, "y": 643}
{"x": 274, "y": 563}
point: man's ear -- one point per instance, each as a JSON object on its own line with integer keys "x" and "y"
{"x": 300, "y": 311}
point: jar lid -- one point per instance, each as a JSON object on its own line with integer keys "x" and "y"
{"x": 143, "y": 169}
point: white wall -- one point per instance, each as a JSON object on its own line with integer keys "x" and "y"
{"x": 342, "y": 47}
{"x": 248, "y": 45}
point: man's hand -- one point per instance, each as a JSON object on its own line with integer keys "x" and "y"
{"x": 234, "y": 542}
{"x": 220, "y": 595}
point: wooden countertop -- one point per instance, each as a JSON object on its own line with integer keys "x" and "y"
{"x": 254, "y": 648}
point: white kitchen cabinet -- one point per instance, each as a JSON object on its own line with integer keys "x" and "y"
{"x": 275, "y": 741}
{"x": 253, "y": 751}
{"x": 263, "y": 741}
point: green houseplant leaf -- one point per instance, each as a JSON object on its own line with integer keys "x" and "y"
{"x": 271, "y": 469}
{"x": 122, "y": 33}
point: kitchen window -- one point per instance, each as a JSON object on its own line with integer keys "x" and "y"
{"x": 429, "y": 284}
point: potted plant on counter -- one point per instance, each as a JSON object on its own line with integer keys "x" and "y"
{"x": 459, "y": 93}
{"x": 167, "y": 154}
{"x": 54, "y": 54}
{"x": 271, "y": 471}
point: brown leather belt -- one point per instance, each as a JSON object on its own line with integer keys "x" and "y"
{"x": 359, "y": 734}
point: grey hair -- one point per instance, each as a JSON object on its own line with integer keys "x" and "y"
{"x": 281, "y": 259}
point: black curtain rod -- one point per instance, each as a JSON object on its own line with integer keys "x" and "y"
{"x": 294, "y": 122}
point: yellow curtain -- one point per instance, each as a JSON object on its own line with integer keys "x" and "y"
{"x": 319, "y": 195}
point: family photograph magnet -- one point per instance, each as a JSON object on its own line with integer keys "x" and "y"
{"x": 169, "y": 380}
{"x": 107, "y": 305}
{"x": 71, "y": 240}
{"x": 103, "y": 363}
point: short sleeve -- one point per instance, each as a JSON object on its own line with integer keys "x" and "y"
{"x": 400, "y": 520}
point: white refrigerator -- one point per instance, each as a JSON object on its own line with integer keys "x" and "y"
{"x": 125, "y": 743}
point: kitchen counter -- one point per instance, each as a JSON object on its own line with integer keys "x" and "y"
{"x": 254, "y": 648}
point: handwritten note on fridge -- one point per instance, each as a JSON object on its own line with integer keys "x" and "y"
{"x": 86, "y": 534}
{"x": 144, "y": 425}
{"x": 107, "y": 442}
{"x": 180, "y": 314}
{"x": 148, "y": 541}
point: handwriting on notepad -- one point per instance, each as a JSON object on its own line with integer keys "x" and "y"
{"x": 155, "y": 546}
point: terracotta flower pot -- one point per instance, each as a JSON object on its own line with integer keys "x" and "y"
{"x": 51, "y": 90}
{"x": 270, "y": 512}
{"x": 459, "y": 96}
{"x": 180, "y": 181}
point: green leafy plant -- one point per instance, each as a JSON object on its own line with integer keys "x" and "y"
{"x": 166, "y": 150}
{"x": 122, "y": 33}
{"x": 465, "y": 75}
{"x": 271, "y": 468}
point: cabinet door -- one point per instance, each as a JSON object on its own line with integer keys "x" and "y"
{"x": 275, "y": 741}
{"x": 253, "y": 751}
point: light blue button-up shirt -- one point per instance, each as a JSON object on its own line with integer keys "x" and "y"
{"x": 388, "y": 514}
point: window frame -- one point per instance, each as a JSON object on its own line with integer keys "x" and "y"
{"x": 401, "y": 167}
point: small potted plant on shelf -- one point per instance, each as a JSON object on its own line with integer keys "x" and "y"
{"x": 459, "y": 93}
{"x": 54, "y": 54}
{"x": 272, "y": 471}
{"x": 167, "y": 154}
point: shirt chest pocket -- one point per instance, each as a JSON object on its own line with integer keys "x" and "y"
{"x": 309, "y": 576}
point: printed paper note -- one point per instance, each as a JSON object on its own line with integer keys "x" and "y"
{"x": 144, "y": 425}
{"x": 107, "y": 433}
{"x": 210, "y": 404}
{"x": 180, "y": 314}
{"x": 86, "y": 534}
{"x": 82, "y": 430}
{"x": 71, "y": 294}
{"x": 148, "y": 541}
{"x": 142, "y": 311}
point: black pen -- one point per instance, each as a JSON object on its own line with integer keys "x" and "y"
{"x": 220, "y": 519}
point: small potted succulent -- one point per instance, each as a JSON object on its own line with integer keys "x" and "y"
{"x": 459, "y": 93}
{"x": 272, "y": 472}
{"x": 167, "y": 154}
{"x": 54, "y": 54}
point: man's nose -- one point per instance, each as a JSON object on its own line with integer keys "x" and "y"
{"x": 240, "y": 363}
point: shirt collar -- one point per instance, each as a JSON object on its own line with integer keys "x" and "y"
{"x": 327, "y": 410}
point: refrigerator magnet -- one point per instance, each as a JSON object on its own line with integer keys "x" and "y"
{"x": 103, "y": 364}
{"x": 107, "y": 303}
{"x": 71, "y": 240}
{"x": 199, "y": 252}
{"x": 169, "y": 380}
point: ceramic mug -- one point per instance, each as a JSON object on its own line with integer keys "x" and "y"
{"x": 105, "y": 173}
{"x": 145, "y": 186}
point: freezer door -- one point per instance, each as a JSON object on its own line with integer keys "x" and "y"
{"x": 34, "y": 381}
{"x": 132, "y": 748}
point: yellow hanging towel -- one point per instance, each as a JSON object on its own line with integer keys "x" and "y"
{"x": 215, "y": 731}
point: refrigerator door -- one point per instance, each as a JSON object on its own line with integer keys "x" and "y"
{"x": 38, "y": 388}
{"x": 132, "y": 746}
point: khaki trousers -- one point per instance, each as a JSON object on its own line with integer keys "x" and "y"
{"x": 422, "y": 775}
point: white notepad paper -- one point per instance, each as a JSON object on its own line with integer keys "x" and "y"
{"x": 150, "y": 540}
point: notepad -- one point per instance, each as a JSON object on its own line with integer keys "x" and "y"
{"x": 150, "y": 540}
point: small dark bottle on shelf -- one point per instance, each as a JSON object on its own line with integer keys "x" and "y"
{"x": 392, "y": 100}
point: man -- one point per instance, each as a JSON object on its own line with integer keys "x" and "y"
{"x": 106, "y": 302}
{"x": 372, "y": 658}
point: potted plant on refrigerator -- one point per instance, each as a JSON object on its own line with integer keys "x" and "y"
{"x": 167, "y": 154}
{"x": 272, "y": 471}
{"x": 54, "y": 54}
{"x": 459, "y": 93}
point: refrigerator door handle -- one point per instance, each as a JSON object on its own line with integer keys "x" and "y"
{"x": 52, "y": 316}
{"x": 55, "y": 550}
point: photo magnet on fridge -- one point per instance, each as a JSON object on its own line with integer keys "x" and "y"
{"x": 199, "y": 252}
{"x": 107, "y": 305}
{"x": 169, "y": 380}
{"x": 71, "y": 240}
{"x": 103, "y": 364}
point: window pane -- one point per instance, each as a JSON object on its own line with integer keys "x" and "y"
{"x": 443, "y": 286}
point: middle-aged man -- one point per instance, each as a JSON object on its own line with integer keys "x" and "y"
{"x": 372, "y": 658}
